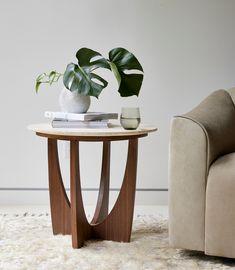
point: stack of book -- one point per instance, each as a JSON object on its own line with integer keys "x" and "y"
{"x": 80, "y": 120}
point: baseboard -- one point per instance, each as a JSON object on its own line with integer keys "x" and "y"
{"x": 41, "y": 196}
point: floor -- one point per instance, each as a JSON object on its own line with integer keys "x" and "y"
{"x": 139, "y": 209}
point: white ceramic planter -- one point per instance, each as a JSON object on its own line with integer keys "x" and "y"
{"x": 73, "y": 102}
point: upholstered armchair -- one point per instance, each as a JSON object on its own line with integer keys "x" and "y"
{"x": 202, "y": 177}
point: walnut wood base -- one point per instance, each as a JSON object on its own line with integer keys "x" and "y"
{"x": 69, "y": 217}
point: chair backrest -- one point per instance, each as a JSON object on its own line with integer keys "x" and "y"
{"x": 216, "y": 115}
{"x": 232, "y": 93}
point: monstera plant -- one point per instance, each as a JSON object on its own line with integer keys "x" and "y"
{"x": 80, "y": 77}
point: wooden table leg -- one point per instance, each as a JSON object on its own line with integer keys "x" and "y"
{"x": 102, "y": 206}
{"x": 81, "y": 229}
{"x": 72, "y": 219}
{"x": 60, "y": 205}
{"x": 118, "y": 224}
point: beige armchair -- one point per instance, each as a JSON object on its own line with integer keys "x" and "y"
{"x": 202, "y": 177}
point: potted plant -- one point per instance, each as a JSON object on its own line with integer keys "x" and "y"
{"x": 82, "y": 81}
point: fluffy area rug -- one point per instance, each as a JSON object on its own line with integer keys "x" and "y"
{"x": 27, "y": 243}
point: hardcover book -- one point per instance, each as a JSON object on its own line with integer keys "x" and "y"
{"x": 90, "y": 116}
{"x": 79, "y": 124}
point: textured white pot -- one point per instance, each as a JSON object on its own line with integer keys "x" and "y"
{"x": 73, "y": 102}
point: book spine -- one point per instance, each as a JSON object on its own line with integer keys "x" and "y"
{"x": 79, "y": 124}
{"x": 64, "y": 116}
{"x": 80, "y": 117}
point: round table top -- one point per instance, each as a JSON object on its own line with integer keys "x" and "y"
{"x": 113, "y": 132}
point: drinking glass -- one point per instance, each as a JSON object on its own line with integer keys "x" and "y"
{"x": 130, "y": 118}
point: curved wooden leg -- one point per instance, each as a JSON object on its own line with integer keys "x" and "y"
{"x": 102, "y": 206}
{"x": 60, "y": 206}
{"x": 68, "y": 219}
{"x": 80, "y": 227}
{"x": 117, "y": 226}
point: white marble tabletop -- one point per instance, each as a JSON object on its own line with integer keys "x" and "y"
{"x": 111, "y": 131}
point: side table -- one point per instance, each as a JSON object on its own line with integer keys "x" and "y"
{"x": 68, "y": 217}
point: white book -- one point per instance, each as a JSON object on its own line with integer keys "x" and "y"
{"x": 79, "y": 124}
{"x": 90, "y": 116}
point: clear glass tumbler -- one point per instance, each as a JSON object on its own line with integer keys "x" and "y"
{"x": 130, "y": 118}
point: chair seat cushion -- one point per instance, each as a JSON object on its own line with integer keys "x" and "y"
{"x": 220, "y": 208}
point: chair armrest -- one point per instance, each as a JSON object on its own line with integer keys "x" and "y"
{"x": 187, "y": 184}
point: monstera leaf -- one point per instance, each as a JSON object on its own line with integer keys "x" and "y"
{"x": 127, "y": 70}
{"x": 80, "y": 77}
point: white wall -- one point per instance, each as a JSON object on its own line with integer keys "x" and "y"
{"x": 187, "y": 49}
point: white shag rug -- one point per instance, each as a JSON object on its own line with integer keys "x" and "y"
{"x": 27, "y": 243}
